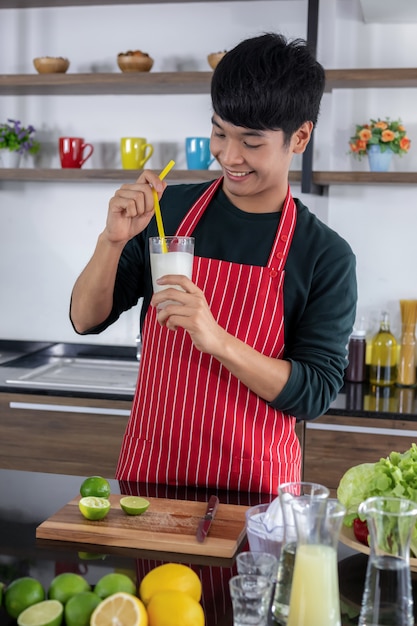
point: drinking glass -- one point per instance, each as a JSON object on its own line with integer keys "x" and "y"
{"x": 251, "y": 598}
{"x": 257, "y": 563}
{"x": 170, "y": 255}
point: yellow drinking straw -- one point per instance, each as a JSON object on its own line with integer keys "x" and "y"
{"x": 158, "y": 215}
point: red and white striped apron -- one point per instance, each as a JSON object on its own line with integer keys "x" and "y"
{"x": 193, "y": 422}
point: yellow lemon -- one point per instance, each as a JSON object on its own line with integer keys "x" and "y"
{"x": 94, "y": 508}
{"x": 122, "y": 609}
{"x": 114, "y": 582}
{"x": 174, "y": 608}
{"x": 174, "y": 576}
{"x": 45, "y": 613}
{"x": 22, "y": 593}
{"x": 95, "y": 486}
{"x": 66, "y": 585}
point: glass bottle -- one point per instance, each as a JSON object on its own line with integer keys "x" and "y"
{"x": 407, "y": 362}
{"x": 356, "y": 369}
{"x": 314, "y": 599}
{"x": 383, "y": 369}
{"x": 387, "y": 596}
{"x": 317, "y": 495}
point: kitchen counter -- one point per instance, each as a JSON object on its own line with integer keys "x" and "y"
{"x": 21, "y": 359}
{"x": 28, "y": 498}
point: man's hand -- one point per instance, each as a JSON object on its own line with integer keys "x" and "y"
{"x": 132, "y": 208}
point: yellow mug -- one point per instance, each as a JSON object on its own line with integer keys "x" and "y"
{"x": 135, "y": 151}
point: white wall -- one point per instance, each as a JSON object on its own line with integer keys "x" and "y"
{"x": 48, "y": 230}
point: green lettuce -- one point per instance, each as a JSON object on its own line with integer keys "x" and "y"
{"x": 395, "y": 476}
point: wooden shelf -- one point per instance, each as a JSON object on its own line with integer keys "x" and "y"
{"x": 371, "y": 78}
{"x": 322, "y": 179}
{"x": 30, "y": 4}
{"x": 190, "y": 83}
{"x": 105, "y": 84}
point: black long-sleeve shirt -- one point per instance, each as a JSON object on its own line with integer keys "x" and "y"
{"x": 320, "y": 290}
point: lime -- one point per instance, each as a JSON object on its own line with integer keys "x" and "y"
{"x": 66, "y": 585}
{"x": 113, "y": 583}
{"x": 21, "y": 593}
{"x": 134, "y": 505}
{"x": 95, "y": 486}
{"x": 79, "y": 608}
{"x": 91, "y": 556}
{"x": 94, "y": 508}
{"x": 45, "y": 613}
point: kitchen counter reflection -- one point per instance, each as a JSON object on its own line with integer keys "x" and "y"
{"x": 365, "y": 400}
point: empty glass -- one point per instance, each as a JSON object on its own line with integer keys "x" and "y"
{"x": 387, "y": 597}
{"x": 257, "y": 563}
{"x": 251, "y": 598}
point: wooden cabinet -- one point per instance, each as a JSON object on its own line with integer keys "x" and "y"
{"x": 333, "y": 444}
{"x": 61, "y": 435}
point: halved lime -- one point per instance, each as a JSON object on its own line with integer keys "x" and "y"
{"x": 45, "y": 613}
{"x": 134, "y": 505}
{"x": 94, "y": 508}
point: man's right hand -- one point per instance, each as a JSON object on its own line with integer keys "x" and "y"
{"x": 132, "y": 208}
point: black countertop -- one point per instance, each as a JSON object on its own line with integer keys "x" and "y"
{"x": 29, "y": 498}
{"x": 354, "y": 400}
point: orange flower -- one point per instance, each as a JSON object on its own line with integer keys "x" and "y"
{"x": 361, "y": 145}
{"x": 354, "y": 147}
{"x": 365, "y": 135}
{"x": 382, "y": 125}
{"x": 387, "y": 135}
{"x": 405, "y": 143}
{"x": 401, "y": 128}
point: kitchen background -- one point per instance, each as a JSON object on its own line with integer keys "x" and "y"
{"x": 48, "y": 230}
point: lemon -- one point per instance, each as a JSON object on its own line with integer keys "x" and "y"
{"x": 174, "y": 608}
{"x": 95, "y": 486}
{"x": 122, "y": 609}
{"x": 45, "y": 613}
{"x": 134, "y": 505}
{"x": 94, "y": 508}
{"x": 22, "y": 593}
{"x": 66, "y": 585}
{"x": 79, "y": 608}
{"x": 114, "y": 582}
{"x": 173, "y": 576}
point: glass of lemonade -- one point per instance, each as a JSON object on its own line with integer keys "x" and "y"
{"x": 170, "y": 255}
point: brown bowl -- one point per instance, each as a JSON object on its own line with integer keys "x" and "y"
{"x": 136, "y": 61}
{"x": 51, "y": 65}
{"x": 214, "y": 58}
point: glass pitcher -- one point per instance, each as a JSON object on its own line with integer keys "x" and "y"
{"x": 314, "y": 599}
{"x": 317, "y": 495}
{"x": 387, "y": 597}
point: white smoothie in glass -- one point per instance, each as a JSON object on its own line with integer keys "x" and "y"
{"x": 177, "y": 259}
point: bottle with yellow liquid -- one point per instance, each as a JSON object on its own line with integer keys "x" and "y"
{"x": 383, "y": 368}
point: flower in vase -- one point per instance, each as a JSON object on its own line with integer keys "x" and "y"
{"x": 17, "y": 138}
{"x": 387, "y": 134}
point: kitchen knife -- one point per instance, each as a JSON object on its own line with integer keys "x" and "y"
{"x": 206, "y": 521}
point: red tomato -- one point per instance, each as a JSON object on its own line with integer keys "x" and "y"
{"x": 360, "y": 530}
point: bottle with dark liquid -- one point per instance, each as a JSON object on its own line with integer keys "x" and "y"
{"x": 383, "y": 369}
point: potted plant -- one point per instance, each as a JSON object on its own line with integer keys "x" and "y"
{"x": 16, "y": 140}
{"x": 379, "y": 140}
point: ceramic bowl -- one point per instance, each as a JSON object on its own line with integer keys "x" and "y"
{"x": 214, "y": 57}
{"x": 51, "y": 65}
{"x": 135, "y": 61}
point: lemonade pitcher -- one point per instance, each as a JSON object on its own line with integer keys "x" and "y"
{"x": 317, "y": 495}
{"x": 314, "y": 598}
{"x": 387, "y": 597}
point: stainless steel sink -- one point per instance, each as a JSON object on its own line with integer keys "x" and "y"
{"x": 82, "y": 374}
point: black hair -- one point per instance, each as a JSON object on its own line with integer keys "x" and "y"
{"x": 268, "y": 83}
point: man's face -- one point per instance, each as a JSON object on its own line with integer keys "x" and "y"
{"x": 255, "y": 163}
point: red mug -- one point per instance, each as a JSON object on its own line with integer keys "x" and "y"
{"x": 72, "y": 151}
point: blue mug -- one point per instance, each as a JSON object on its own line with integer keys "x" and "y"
{"x": 197, "y": 150}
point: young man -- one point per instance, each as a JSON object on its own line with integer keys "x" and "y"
{"x": 258, "y": 337}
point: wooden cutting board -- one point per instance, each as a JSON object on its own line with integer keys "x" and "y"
{"x": 167, "y": 526}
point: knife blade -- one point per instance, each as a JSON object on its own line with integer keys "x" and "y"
{"x": 206, "y": 521}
